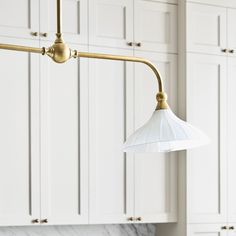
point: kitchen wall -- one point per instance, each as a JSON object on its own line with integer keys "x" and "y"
{"x": 92, "y": 230}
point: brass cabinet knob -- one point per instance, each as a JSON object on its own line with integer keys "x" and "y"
{"x": 231, "y": 228}
{"x": 35, "y": 34}
{"x": 130, "y": 44}
{"x": 44, "y": 34}
{"x": 131, "y": 219}
{"x": 44, "y": 221}
{"x": 224, "y": 227}
{"x": 35, "y": 221}
{"x": 139, "y": 219}
{"x": 231, "y": 51}
{"x": 138, "y": 44}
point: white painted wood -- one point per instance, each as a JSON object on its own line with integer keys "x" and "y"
{"x": 64, "y": 141}
{"x": 155, "y": 26}
{"x": 232, "y": 229}
{"x": 155, "y": 174}
{"x": 19, "y": 136}
{"x": 206, "y": 166}
{"x": 222, "y": 3}
{"x": 231, "y": 31}
{"x": 110, "y": 121}
{"x": 111, "y": 23}
{"x": 74, "y": 20}
{"x": 19, "y": 18}
{"x": 207, "y": 230}
{"x": 231, "y": 140}
{"x": 206, "y": 29}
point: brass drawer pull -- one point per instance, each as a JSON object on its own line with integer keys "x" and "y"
{"x": 35, "y": 221}
{"x": 231, "y": 51}
{"x": 138, "y": 44}
{"x": 44, "y": 221}
{"x": 231, "y": 228}
{"x": 130, "y": 44}
{"x": 139, "y": 219}
{"x": 224, "y": 228}
{"x": 35, "y": 34}
{"x": 44, "y": 34}
{"x": 130, "y": 219}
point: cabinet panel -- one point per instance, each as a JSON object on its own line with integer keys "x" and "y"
{"x": 155, "y": 174}
{"x": 155, "y": 26}
{"x": 64, "y": 146}
{"x": 111, "y": 170}
{"x": 111, "y": 23}
{"x": 206, "y": 28}
{"x": 19, "y": 137}
{"x": 231, "y": 14}
{"x": 206, "y": 230}
{"x": 206, "y": 166}
{"x": 231, "y": 140}
{"x": 19, "y": 18}
{"x": 74, "y": 20}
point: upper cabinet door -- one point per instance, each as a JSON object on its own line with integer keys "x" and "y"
{"x": 19, "y": 19}
{"x": 155, "y": 26}
{"x": 206, "y": 29}
{"x": 206, "y": 165}
{"x": 111, "y": 23}
{"x": 231, "y": 140}
{"x": 155, "y": 174}
{"x": 231, "y": 31}
{"x": 111, "y": 170}
{"x": 74, "y": 20}
{"x": 19, "y": 137}
{"x": 64, "y": 146}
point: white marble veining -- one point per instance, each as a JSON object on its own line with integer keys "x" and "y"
{"x": 91, "y": 230}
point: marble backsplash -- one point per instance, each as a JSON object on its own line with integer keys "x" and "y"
{"x": 91, "y": 230}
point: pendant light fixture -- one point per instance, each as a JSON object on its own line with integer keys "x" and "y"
{"x": 162, "y": 133}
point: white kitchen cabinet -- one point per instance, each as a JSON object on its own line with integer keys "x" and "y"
{"x": 231, "y": 140}
{"x": 206, "y": 230}
{"x": 206, "y": 29}
{"x": 111, "y": 23}
{"x": 111, "y": 170}
{"x": 231, "y": 19}
{"x": 144, "y": 25}
{"x": 64, "y": 141}
{"x": 74, "y": 20}
{"x": 19, "y": 19}
{"x": 155, "y": 26}
{"x": 121, "y": 186}
{"x": 155, "y": 174}
{"x": 207, "y": 181}
{"x": 207, "y": 89}
{"x": 19, "y": 137}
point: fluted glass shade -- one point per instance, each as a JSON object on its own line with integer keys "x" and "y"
{"x": 165, "y": 132}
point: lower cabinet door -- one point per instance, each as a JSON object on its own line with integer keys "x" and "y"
{"x": 155, "y": 174}
{"x": 111, "y": 170}
{"x": 207, "y": 165}
{"x": 208, "y": 230}
{"x": 19, "y": 136}
{"x": 231, "y": 140}
{"x": 64, "y": 155}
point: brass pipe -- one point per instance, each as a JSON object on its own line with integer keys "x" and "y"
{"x": 125, "y": 58}
{"x": 22, "y": 48}
{"x": 59, "y": 18}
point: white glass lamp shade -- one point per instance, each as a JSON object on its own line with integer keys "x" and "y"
{"x": 165, "y": 132}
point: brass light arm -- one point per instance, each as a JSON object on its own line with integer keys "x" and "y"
{"x": 22, "y": 48}
{"x": 125, "y": 58}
